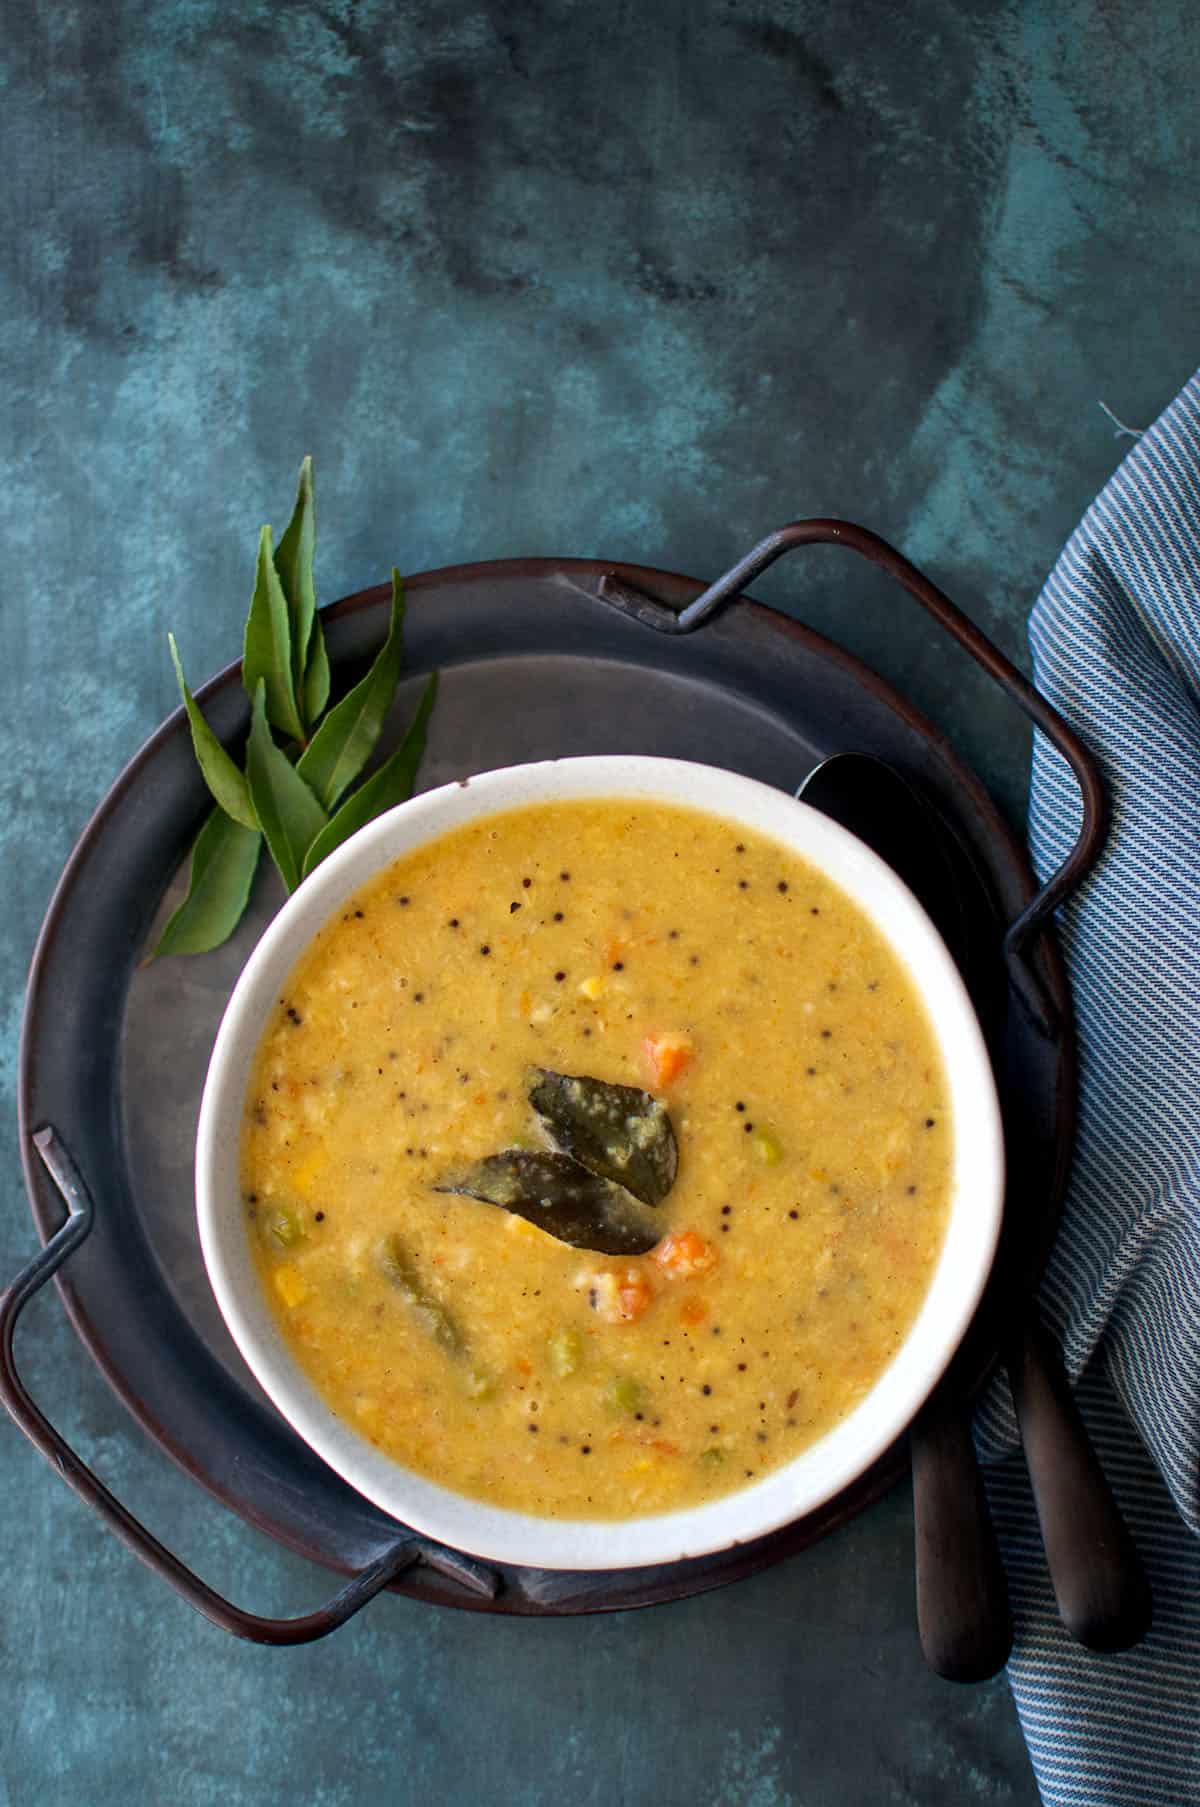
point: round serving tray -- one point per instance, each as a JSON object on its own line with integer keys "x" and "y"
{"x": 539, "y": 659}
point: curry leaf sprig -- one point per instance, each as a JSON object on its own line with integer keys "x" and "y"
{"x": 295, "y": 796}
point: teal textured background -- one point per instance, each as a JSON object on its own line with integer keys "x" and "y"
{"x": 642, "y": 282}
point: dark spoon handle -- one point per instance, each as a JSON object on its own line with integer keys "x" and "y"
{"x": 1101, "y": 1588}
{"x": 962, "y": 1600}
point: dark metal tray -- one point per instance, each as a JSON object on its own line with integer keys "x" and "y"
{"x": 540, "y": 658}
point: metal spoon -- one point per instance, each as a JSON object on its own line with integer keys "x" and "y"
{"x": 962, "y": 1601}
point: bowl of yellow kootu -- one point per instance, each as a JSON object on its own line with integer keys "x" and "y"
{"x": 599, "y": 1161}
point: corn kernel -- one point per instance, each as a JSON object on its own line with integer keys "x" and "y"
{"x": 305, "y": 1175}
{"x": 291, "y": 1286}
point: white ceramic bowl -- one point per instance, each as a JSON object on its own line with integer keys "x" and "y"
{"x": 844, "y": 1452}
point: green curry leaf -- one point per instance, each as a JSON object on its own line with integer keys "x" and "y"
{"x": 316, "y": 675}
{"x": 224, "y": 859}
{"x": 294, "y": 564}
{"x": 224, "y": 780}
{"x": 290, "y": 815}
{"x": 286, "y": 797}
{"x": 391, "y": 784}
{"x": 344, "y": 742}
{"x": 267, "y": 653}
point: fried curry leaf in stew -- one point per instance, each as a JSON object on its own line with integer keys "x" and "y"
{"x": 562, "y": 1198}
{"x": 616, "y": 1131}
{"x": 620, "y": 1141}
{"x": 707, "y": 1060}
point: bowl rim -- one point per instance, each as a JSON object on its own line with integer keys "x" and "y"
{"x": 841, "y": 1454}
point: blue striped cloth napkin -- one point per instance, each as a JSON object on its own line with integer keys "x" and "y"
{"x": 1116, "y": 646}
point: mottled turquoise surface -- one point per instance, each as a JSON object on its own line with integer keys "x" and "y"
{"x": 639, "y": 281}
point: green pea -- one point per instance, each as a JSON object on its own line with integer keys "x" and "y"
{"x": 564, "y": 1352}
{"x": 623, "y": 1394}
{"x": 767, "y": 1147}
{"x": 281, "y": 1227}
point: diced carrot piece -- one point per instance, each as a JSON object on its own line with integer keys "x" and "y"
{"x": 693, "y": 1311}
{"x": 683, "y": 1254}
{"x": 617, "y": 1296}
{"x": 522, "y": 1366}
{"x": 635, "y": 1294}
{"x": 668, "y": 1055}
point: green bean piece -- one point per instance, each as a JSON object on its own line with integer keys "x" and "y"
{"x": 712, "y": 1457}
{"x": 426, "y": 1311}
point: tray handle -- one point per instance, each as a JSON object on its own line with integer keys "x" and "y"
{"x": 1022, "y": 931}
{"x": 392, "y": 1561}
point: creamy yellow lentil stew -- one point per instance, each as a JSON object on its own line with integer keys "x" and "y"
{"x": 648, "y": 946}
